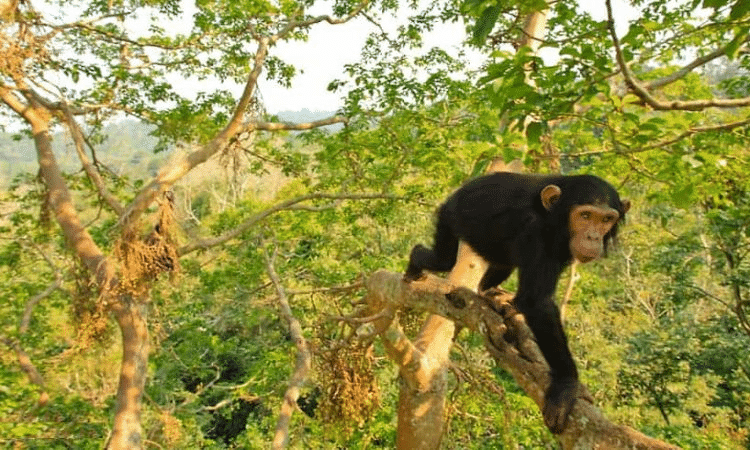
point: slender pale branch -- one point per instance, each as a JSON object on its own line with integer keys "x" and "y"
{"x": 255, "y": 218}
{"x": 686, "y": 69}
{"x": 662, "y": 144}
{"x": 92, "y": 173}
{"x": 292, "y": 25}
{"x": 721, "y": 127}
{"x": 641, "y": 91}
{"x": 277, "y": 126}
{"x": 301, "y": 366}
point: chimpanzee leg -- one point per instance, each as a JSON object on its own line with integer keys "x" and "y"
{"x": 494, "y": 276}
{"x": 440, "y": 258}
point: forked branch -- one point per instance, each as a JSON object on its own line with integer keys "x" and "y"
{"x": 510, "y": 342}
{"x": 302, "y": 364}
{"x": 642, "y": 92}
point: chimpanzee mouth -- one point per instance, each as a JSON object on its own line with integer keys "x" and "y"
{"x": 585, "y": 258}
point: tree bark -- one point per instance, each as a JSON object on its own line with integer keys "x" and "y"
{"x": 130, "y": 316}
{"x": 126, "y": 429}
{"x": 127, "y": 432}
{"x": 587, "y": 426}
{"x": 421, "y": 410}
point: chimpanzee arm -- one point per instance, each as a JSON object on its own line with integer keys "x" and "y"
{"x": 535, "y": 301}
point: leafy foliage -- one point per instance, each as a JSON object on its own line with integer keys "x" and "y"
{"x": 660, "y": 329}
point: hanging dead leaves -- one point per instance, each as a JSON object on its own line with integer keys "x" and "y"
{"x": 143, "y": 259}
{"x": 350, "y": 388}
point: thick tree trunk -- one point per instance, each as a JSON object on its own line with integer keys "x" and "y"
{"x": 126, "y": 430}
{"x": 421, "y": 410}
{"x": 130, "y": 316}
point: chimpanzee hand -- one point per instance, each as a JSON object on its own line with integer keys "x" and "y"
{"x": 558, "y": 402}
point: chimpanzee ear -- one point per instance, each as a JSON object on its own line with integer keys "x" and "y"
{"x": 625, "y": 205}
{"x": 550, "y": 194}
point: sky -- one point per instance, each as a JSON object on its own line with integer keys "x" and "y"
{"x": 323, "y": 57}
{"x": 330, "y": 48}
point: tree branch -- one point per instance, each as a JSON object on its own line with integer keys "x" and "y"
{"x": 323, "y": 18}
{"x": 302, "y": 365}
{"x": 290, "y": 204}
{"x": 173, "y": 172}
{"x": 661, "y": 144}
{"x": 277, "y": 126}
{"x": 92, "y": 173}
{"x": 24, "y": 360}
{"x": 76, "y": 235}
{"x": 511, "y": 343}
{"x": 678, "y": 74}
{"x": 176, "y": 170}
{"x": 641, "y": 91}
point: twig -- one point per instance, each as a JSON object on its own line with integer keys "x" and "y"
{"x": 641, "y": 91}
{"x": 304, "y": 358}
{"x": 291, "y": 204}
{"x": 92, "y": 173}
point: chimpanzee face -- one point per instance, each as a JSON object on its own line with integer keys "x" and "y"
{"x": 589, "y": 226}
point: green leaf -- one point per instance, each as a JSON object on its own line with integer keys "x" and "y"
{"x": 739, "y": 10}
{"x": 716, "y": 4}
{"x": 683, "y": 196}
{"x": 739, "y": 39}
{"x": 485, "y": 23}
{"x": 534, "y": 132}
{"x": 510, "y": 153}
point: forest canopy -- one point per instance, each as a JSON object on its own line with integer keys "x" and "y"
{"x": 181, "y": 269}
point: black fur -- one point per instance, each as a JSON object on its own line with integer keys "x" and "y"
{"x": 501, "y": 216}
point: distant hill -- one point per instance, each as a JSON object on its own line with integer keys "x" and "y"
{"x": 129, "y": 146}
{"x": 128, "y": 143}
{"x": 304, "y": 115}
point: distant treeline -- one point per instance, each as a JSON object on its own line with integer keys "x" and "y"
{"x": 128, "y": 149}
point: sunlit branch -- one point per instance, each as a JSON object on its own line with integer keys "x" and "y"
{"x": 642, "y": 92}
{"x": 662, "y": 144}
{"x": 277, "y": 126}
{"x": 292, "y": 25}
{"x": 302, "y": 364}
{"x": 722, "y": 127}
{"x": 92, "y": 173}
{"x": 711, "y": 296}
{"x": 328, "y": 290}
{"x": 698, "y": 62}
{"x": 287, "y": 205}
{"x": 170, "y": 174}
{"x": 142, "y": 43}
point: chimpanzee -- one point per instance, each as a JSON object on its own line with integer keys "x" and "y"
{"x": 537, "y": 223}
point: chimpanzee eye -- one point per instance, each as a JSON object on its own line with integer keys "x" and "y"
{"x": 585, "y": 215}
{"x": 608, "y": 219}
